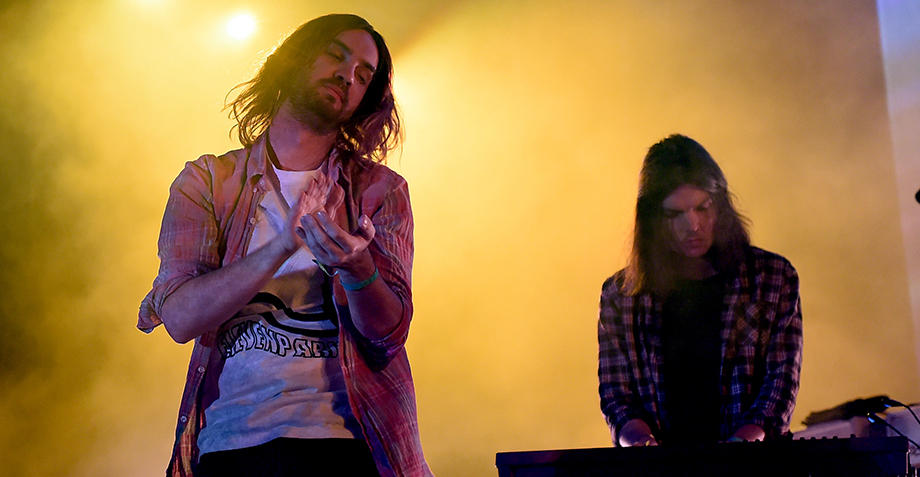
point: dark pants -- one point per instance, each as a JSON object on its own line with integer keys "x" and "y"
{"x": 292, "y": 458}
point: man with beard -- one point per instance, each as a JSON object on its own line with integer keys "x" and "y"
{"x": 700, "y": 335}
{"x": 288, "y": 262}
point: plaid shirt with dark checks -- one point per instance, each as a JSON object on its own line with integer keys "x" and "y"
{"x": 761, "y": 350}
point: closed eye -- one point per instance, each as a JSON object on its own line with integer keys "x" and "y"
{"x": 365, "y": 77}
{"x": 705, "y": 206}
{"x": 335, "y": 54}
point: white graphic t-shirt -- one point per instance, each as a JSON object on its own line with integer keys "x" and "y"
{"x": 281, "y": 375}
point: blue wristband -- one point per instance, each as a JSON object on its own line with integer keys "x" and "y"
{"x": 361, "y": 284}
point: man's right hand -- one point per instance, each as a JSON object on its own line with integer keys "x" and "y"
{"x": 321, "y": 194}
{"x": 311, "y": 200}
{"x": 636, "y": 433}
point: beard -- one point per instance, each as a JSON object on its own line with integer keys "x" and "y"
{"x": 315, "y": 110}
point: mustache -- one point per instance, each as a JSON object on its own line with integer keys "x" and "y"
{"x": 339, "y": 84}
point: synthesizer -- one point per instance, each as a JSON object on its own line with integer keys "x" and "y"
{"x": 834, "y": 457}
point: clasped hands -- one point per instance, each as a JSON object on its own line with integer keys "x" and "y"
{"x": 312, "y": 222}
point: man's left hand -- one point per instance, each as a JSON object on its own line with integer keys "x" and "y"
{"x": 333, "y": 246}
{"x": 748, "y": 432}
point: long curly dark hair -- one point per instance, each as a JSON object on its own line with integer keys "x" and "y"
{"x": 375, "y": 127}
{"x": 675, "y": 161}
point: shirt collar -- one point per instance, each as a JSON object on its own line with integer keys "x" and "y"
{"x": 259, "y": 161}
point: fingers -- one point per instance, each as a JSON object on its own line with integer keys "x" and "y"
{"x": 338, "y": 236}
{"x": 324, "y": 194}
{"x": 293, "y": 238}
{"x": 330, "y": 243}
{"x": 316, "y": 192}
{"x": 334, "y": 200}
{"x": 366, "y": 228}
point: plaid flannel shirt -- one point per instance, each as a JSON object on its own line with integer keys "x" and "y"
{"x": 208, "y": 224}
{"x": 761, "y": 350}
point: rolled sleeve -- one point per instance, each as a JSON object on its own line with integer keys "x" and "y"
{"x": 386, "y": 202}
{"x": 188, "y": 241}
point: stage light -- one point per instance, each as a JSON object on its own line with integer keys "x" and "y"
{"x": 241, "y": 26}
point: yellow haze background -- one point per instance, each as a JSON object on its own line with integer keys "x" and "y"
{"x": 526, "y": 123}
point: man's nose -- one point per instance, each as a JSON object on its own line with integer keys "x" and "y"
{"x": 693, "y": 221}
{"x": 346, "y": 73}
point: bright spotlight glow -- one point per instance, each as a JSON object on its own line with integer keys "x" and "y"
{"x": 241, "y": 26}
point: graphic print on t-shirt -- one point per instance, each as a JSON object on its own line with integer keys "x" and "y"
{"x": 281, "y": 331}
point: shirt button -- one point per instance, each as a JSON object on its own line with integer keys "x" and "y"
{"x": 200, "y": 369}
{"x": 252, "y": 220}
{"x": 183, "y": 419}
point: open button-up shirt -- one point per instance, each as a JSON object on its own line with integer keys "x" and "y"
{"x": 208, "y": 224}
{"x": 761, "y": 350}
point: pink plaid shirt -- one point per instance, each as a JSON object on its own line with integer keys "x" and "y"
{"x": 208, "y": 224}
